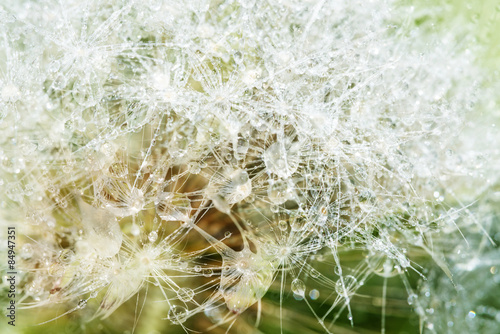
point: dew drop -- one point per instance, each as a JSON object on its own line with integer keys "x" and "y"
{"x": 280, "y": 191}
{"x": 338, "y": 270}
{"x": 195, "y": 168}
{"x": 283, "y": 225}
{"x": 241, "y": 148}
{"x": 221, "y": 204}
{"x": 280, "y": 160}
{"x": 102, "y": 230}
{"x": 239, "y": 188}
{"x": 177, "y": 314}
{"x": 297, "y": 225}
{"x": 412, "y": 298}
{"x": 314, "y": 273}
{"x": 298, "y": 287}
{"x": 153, "y": 236}
{"x": 26, "y": 251}
{"x": 185, "y": 294}
{"x": 238, "y": 57}
{"x": 135, "y": 230}
{"x": 82, "y": 303}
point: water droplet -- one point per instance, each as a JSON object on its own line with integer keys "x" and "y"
{"x": 153, "y": 236}
{"x": 283, "y": 225}
{"x": 66, "y": 256}
{"x": 26, "y": 251}
{"x": 280, "y": 191}
{"x": 298, "y": 287}
{"x": 314, "y": 273}
{"x": 102, "y": 230}
{"x": 177, "y": 314}
{"x": 241, "y": 149}
{"x": 82, "y": 303}
{"x": 221, "y": 204}
{"x": 281, "y": 160}
{"x": 338, "y": 270}
{"x": 321, "y": 216}
{"x": 297, "y": 224}
{"x": 195, "y": 168}
{"x": 135, "y": 202}
{"x": 412, "y": 298}
{"x": 238, "y": 57}
{"x": 208, "y": 272}
{"x": 185, "y": 294}
{"x": 227, "y": 234}
{"x": 239, "y": 188}
{"x": 135, "y": 230}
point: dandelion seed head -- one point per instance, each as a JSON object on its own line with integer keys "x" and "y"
{"x": 217, "y": 154}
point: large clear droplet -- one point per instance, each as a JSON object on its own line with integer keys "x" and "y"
{"x": 135, "y": 201}
{"x": 177, "y": 314}
{"x": 298, "y": 287}
{"x": 281, "y": 160}
{"x": 280, "y": 191}
{"x": 239, "y": 188}
{"x": 135, "y": 230}
{"x": 185, "y": 294}
{"x": 153, "y": 236}
{"x": 283, "y": 225}
{"x": 102, "y": 230}
{"x": 82, "y": 303}
{"x": 241, "y": 148}
{"x": 221, "y": 204}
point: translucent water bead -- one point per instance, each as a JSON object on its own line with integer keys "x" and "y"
{"x": 240, "y": 186}
{"x": 298, "y": 287}
{"x": 282, "y": 160}
{"x": 177, "y": 314}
